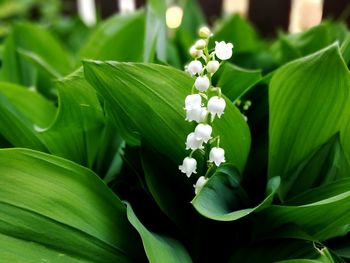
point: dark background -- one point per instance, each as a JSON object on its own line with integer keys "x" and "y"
{"x": 267, "y": 15}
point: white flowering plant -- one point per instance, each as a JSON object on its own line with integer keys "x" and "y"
{"x": 111, "y": 152}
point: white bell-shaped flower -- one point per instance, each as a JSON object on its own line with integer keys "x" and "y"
{"x": 197, "y": 114}
{"x": 212, "y": 66}
{"x": 192, "y": 143}
{"x": 217, "y": 155}
{"x": 223, "y": 50}
{"x": 202, "y": 83}
{"x": 189, "y": 166}
{"x": 203, "y": 132}
{"x": 194, "y": 67}
{"x": 193, "y": 101}
{"x": 199, "y": 184}
{"x": 216, "y": 106}
{"x": 195, "y": 53}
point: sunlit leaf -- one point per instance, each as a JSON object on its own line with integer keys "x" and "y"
{"x": 147, "y": 100}
{"x": 222, "y": 198}
{"x": 118, "y": 38}
{"x": 62, "y": 211}
{"x": 309, "y": 102}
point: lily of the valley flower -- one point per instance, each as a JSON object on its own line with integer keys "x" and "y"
{"x": 213, "y": 66}
{"x": 193, "y": 101}
{"x": 194, "y": 67}
{"x": 200, "y": 44}
{"x": 223, "y": 50}
{"x": 196, "y": 114}
{"x": 199, "y": 184}
{"x": 216, "y": 106}
{"x": 189, "y": 166}
{"x": 195, "y": 53}
{"x": 202, "y": 83}
{"x": 194, "y": 110}
{"x": 203, "y": 132}
{"x": 192, "y": 142}
{"x": 217, "y": 155}
{"x": 204, "y": 32}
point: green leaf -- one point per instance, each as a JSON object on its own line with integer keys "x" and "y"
{"x": 279, "y": 250}
{"x": 163, "y": 183}
{"x": 321, "y": 212}
{"x": 35, "y": 39}
{"x": 284, "y": 51}
{"x": 326, "y": 164}
{"x": 301, "y": 119}
{"x": 155, "y": 38}
{"x": 240, "y": 32}
{"x": 158, "y": 248}
{"x": 222, "y": 197}
{"x": 345, "y": 49}
{"x": 147, "y": 100}
{"x": 79, "y": 123}
{"x": 187, "y": 33}
{"x": 21, "y": 110}
{"x": 236, "y": 81}
{"x": 62, "y": 211}
{"x": 118, "y": 38}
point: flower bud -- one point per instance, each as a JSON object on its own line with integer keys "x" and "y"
{"x": 195, "y": 53}
{"x": 192, "y": 143}
{"x": 222, "y": 50}
{"x": 194, "y": 67}
{"x": 217, "y": 155}
{"x": 193, "y": 101}
{"x": 189, "y": 166}
{"x": 204, "y": 32}
{"x": 199, "y": 184}
{"x": 216, "y": 106}
{"x": 202, "y": 83}
{"x": 200, "y": 44}
{"x": 203, "y": 132}
{"x": 213, "y": 66}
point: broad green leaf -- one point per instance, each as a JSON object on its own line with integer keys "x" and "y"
{"x": 326, "y": 164}
{"x": 54, "y": 203}
{"x": 19, "y": 250}
{"x": 345, "y": 49}
{"x": 39, "y": 62}
{"x": 158, "y": 248}
{"x": 222, "y": 198}
{"x": 187, "y": 33}
{"x": 279, "y": 250}
{"x": 318, "y": 37}
{"x": 163, "y": 183}
{"x": 236, "y": 81}
{"x": 155, "y": 35}
{"x": 118, "y": 38}
{"x": 35, "y": 39}
{"x": 310, "y": 41}
{"x": 79, "y": 123}
{"x": 21, "y": 110}
{"x": 284, "y": 51}
{"x": 147, "y": 100}
{"x": 309, "y": 101}
{"x": 322, "y": 212}
{"x": 237, "y": 30}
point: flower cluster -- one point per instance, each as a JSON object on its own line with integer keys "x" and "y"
{"x": 205, "y": 103}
